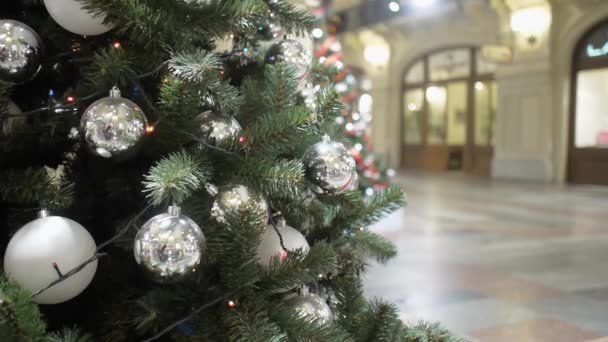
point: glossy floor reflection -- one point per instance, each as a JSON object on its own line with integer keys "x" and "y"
{"x": 499, "y": 261}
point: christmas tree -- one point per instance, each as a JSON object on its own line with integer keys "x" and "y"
{"x": 354, "y": 123}
{"x": 185, "y": 189}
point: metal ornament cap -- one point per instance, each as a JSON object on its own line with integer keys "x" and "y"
{"x": 170, "y": 246}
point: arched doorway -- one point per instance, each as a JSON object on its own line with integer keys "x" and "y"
{"x": 448, "y": 112}
{"x": 588, "y": 146}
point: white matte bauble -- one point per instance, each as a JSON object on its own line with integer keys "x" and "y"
{"x": 46, "y": 246}
{"x": 271, "y": 246}
{"x": 70, "y": 15}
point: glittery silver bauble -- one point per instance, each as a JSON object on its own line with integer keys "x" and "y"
{"x": 292, "y": 53}
{"x": 330, "y": 169}
{"x": 113, "y": 126}
{"x": 170, "y": 246}
{"x": 310, "y": 306}
{"x": 280, "y": 242}
{"x": 216, "y": 129}
{"x": 270, "y": 28}
{"x": 237, "y": 199}
{"x": 20, "y": 52}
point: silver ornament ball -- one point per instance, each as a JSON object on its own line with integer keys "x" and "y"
{"x": 236, "y": 199}
{"x": 292, "y": 53}
{"x": 170, "y": 246}
{"x": 113, "y": 127}
{"x": 20, "y": 52}
{"x": 310, "y": 306}
{"x": 330, "y": 169}
{"x": 214, "y": 129}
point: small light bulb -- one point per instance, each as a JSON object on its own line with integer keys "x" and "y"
{"x": 394, "y": 6}
{"x": 116, "y": 45}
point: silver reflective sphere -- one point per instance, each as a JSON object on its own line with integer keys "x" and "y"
{"x": 216, "y": 129}
{"x": 170, "y": 246}
{"x": 20, "y": 52}
{"x": 237, "y": 199}
{"x": 113, "y": 126}
{"x": 292, "y": 53}
{"x": 330, "y": 169}
{"x": 310, "y": 306}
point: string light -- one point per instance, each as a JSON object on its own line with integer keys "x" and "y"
{"x": 70, "y": 99}
{"x": 394, "y": 6}
{"x": 242, "y": 140}
{"x": 116, "y": 45}
{"x": 231, "y": 304}
{"x": 150, "y": 129}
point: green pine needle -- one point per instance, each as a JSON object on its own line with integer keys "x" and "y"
{"x": 175, "y": 178}
{"x": 20, "y": 319}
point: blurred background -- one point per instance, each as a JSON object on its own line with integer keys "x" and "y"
{"x": 492, "y": 114}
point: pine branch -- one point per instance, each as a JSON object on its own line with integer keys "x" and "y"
{"x": 367, "y": 243}
{"x": 281, "y": 87}
{"x": 175, "y": 178}
{"x": 35, "y": 186}
{"x": 20, "y": 319}
{"x": 351, "y": 303}
{"x": 203, "y": 71}
{"x": 251, "y": 323}
{"x": 379, "y": 205}
{"x": 294, "y": 19}
{"x": 329, "y": 104}
{"x": 111, "y": 67}
{"x": 304, "y": 329}
{"x": 272, "y": 177}
{"x": 281, "y": 276}
{"x": 69, "y": 335}
{"x": 275, "y": 134}
{"x": 379, "y": 323}
{"x": 428, "y": 332}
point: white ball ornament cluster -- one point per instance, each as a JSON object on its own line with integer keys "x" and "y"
{"x": 271, "y": 246}
{"x": 44, "y": 249}
{"x": 71, "y": 15}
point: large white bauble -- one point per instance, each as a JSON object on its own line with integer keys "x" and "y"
{"x": 70, "y": 15}
{"x": 49, "y": 240}
{"x": 270, "y": 245}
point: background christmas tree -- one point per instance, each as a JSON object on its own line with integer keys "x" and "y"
{"x": 114, "y": 120}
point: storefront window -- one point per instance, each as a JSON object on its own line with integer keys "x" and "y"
{"x": 591, "y": 127}
{"x": 415, "y": 73}
{"x": 413, "y": 104}
{"x": 485, "y": 112}
{"x": 455, "y": 63}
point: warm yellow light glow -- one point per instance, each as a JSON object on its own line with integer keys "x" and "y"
{"x": 479, "y": 86}
{"x": 531, "y": 21}
{"x": 377, "y": 55}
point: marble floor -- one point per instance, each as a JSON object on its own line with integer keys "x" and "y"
{"x": 499, "y": 261}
